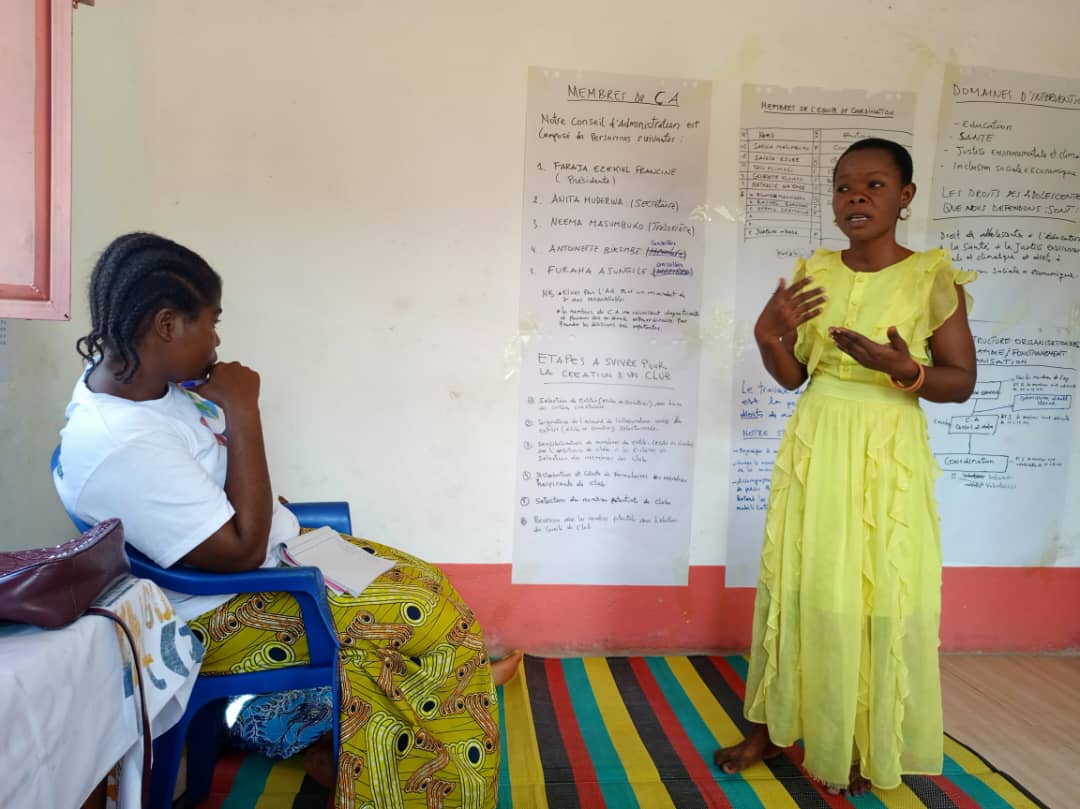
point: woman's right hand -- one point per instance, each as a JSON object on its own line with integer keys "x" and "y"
{"x": 240, "y": 544}
{"x": 787, "y": 309}
{"x": 233, "y": 386}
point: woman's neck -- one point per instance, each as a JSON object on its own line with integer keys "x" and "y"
{"x": 143, "y": 386}
{"x": 874, "y": 255}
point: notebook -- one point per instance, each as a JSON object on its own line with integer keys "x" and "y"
{"x": 345, "y": 567}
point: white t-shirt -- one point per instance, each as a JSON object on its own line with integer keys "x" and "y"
{"x": 160, "y": 467}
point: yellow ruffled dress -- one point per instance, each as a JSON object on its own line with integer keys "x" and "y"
{"x": 845, "y": 643}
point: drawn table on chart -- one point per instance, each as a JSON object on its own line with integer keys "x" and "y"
{"x": 1038, "y": 392}
{"x": 785, "y": 179}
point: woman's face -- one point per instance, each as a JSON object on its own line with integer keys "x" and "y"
{"x": 868, "y": 193}
{"x": 196, "y": 343}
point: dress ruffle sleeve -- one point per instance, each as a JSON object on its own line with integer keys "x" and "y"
{"x": 941, "y": 281}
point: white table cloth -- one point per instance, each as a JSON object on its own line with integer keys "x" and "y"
{"x": 69, "y": 711}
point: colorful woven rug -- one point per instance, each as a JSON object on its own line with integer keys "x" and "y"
{"x": 638, "y": 733}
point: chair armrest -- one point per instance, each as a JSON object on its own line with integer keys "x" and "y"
{"x": 202, "y": 583}
{"x": 334, "y": 513}
{"x": 305, "y": 584}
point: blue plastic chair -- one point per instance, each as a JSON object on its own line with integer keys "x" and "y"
{"x": 203, "y": 721}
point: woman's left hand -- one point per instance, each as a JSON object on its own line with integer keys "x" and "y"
{"x": 892, "y": 358}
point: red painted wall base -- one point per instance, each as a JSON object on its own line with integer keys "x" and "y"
{"x": 985, "y": 609}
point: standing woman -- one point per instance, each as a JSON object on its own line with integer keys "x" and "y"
{"x": 845, "y": 640}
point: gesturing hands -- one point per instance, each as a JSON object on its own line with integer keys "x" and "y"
{"x": 892, "y": 358}
{"x": 787, "y": 309}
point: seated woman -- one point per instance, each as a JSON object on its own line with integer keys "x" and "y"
{"x": 419, "y": 721}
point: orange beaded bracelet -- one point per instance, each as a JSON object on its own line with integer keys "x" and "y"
{"x": 914, "y": 386}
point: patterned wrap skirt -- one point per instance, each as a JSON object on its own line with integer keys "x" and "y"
{"x": 419, "y": 716}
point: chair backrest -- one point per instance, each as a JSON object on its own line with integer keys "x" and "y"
{"x": 54, "y": 462}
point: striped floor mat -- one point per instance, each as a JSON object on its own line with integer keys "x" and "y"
{"x": 637, "y": 733}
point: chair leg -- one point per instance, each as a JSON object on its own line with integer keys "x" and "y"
{"x": 168, "y": 749}
{"x": 205, "y": 729}
{"x": 335, "y": 708}
{"x": 205, "y": 735}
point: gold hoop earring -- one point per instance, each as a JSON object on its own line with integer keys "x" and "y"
{"x": 904, "y": 214}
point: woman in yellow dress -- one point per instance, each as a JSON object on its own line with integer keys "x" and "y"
{"x": 845, "y": 639}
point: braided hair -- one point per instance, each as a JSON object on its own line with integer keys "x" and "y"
{"x": 900, "y": 156}
{"x": 136, "y": 276}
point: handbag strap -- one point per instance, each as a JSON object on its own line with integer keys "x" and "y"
{"x": 148, "y": 742}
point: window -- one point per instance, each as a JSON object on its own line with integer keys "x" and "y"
{"x": 35, "y": 158}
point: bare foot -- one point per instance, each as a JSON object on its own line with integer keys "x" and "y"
{"x": 319, "y": 762}
{"x": 504, "y": 669}
{"x": 757, "y": 747}
{"x": 857, "y": 785}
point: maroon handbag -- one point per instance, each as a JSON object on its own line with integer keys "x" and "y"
{"x": 51, "y": 587}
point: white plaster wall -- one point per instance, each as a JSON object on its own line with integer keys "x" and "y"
{"x": 354, "y": 172}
